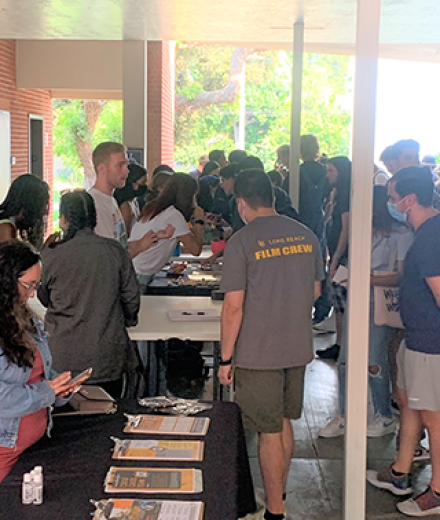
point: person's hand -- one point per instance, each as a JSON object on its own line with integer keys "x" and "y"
{"x": 54, "y": 237}
{"x": 208, "y": 262}
{"x": 59, "y": 384}
{"x": 225, "y": 375}
{"x": 148, "y": 240}
{"x": 199, "y": 214}
{"x": 168, "y": 232}
{"x": 332, "y": 270}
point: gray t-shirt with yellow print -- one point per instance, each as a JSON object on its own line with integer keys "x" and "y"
{"x": 276, "y": 261}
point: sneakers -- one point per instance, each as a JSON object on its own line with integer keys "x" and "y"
{"x": 335, "y": 428}
{"x": 330, "y": 353}
{"x": 386, "y": 479}
{"x": 381, "y": 426}
{"x": 426, "y": 504}
{"x": 421, "y": 454}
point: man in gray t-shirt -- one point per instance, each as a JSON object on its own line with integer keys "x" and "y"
{"x": 271, "y": 276}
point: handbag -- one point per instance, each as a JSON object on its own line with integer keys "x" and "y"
{"x": 386, "y": 300}
{"x": 91, "y": 400}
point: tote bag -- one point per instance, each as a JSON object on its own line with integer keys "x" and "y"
{"x": 386, "y": 300}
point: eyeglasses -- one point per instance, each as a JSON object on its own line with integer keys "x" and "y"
{"x": 29, "y": 288}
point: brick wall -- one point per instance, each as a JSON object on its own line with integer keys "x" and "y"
{"x": 160, "y": 122}
{"x": 21, "y": 103}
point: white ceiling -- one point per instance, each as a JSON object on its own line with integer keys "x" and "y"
{"x": 329, "y": 23}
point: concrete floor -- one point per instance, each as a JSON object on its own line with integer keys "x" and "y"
{"x": 314, "y": 490}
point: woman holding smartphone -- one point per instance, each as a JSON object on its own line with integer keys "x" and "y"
{"x": 28, "y": 386}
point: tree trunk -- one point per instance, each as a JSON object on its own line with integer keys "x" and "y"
{"x": 227, "y": 94}
{"x": 84, "y": 143}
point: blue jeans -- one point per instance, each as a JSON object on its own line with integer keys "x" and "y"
{"x": 144, "y": 280}
{"x": 380, "y": 384}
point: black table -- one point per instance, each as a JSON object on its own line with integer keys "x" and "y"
{"x": 165, "y": 285}
{"x": 77, "y": 457}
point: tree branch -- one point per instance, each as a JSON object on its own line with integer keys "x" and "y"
{"x": 227, "y": 94}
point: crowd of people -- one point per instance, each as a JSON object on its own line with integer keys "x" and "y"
{"x": 281, "y": 276}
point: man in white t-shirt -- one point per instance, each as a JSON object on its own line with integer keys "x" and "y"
{"x": 110, "y": 163}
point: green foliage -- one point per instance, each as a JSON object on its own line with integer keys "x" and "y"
{"x": 326, "y": 109}
{"x": 70, "y": 125}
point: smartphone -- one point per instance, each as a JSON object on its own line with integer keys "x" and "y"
{"x": 80, "y": 378}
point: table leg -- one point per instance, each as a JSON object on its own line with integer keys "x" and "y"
{"x": 217, "y": 388}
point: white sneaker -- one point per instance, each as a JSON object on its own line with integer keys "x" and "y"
{"x": 335, "y": 428}
{"x": 259, "y": 515}
{"x": 381, "y": 426}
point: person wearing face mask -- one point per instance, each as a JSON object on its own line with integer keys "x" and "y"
{"x": 272, "y": 273}
{"x": 418, "y": 360}
{"x": 389, "y": 245}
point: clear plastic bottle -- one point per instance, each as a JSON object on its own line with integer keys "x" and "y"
{"x": 27, "y": 490}
{"x": 38, "y": 488}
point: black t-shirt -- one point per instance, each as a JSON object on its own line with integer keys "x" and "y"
{"x": 313, "y": 187}
{"x": 334, "y": 227}
{"x": 220, "y": 204}
{"x": 418, "y": 307}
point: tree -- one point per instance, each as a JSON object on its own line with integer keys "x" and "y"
{"x": 204, "y": 71}
{"x": 79, "y": 125}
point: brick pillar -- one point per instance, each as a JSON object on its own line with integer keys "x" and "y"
{"x": 160, "y": 104}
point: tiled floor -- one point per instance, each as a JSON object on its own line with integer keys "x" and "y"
{"x": 315, "y": 483}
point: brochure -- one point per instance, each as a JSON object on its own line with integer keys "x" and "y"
{"x": 153, "y": 480}
{"x": 127, "y": 449}
{"x": 167, "y": 425}
{"x": 129, "y": 509}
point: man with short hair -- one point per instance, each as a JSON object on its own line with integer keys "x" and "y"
{"x": 236, "y": 156}
{"x": 418, "y": 360}
{"x": 271, "y": 276}
{"x": 406, "y": 152}
{"x": 389, "y": 160}
{"x": 219, "y": 157}
{"x": 110, "y": 163}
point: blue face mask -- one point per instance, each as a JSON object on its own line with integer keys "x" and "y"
{"x": 392, "y": 209}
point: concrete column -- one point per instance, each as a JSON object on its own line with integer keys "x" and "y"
{"x": 295, "y": 128}
{"x": 134, "y": 94}
{"x": 367, "y": 50}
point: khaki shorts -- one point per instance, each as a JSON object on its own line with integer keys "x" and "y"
{"x": 418, "y": 375}
{"x": 267, "y": 396}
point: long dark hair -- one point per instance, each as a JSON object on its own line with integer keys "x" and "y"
{"x": 382, "y": 220}
{"x": 178, "y": 192}
{"x": 27, "y": 201}
{"x": 128, "y": 192}
{"x": 343, "y": 182}
{"x": 78, "y": 208}
{"x": 16, "y": 320}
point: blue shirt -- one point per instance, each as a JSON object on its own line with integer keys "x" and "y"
{"x": 418, "y": 307}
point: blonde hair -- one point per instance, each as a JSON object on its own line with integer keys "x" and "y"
{"x": 101, "y": 154}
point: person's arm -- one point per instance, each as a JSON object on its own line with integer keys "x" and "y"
{"x": 127, "y": 215}
{"x": 135, "y": 247}
{"x": 318, "y": 289}
{"x": 193, "y": 241}
{"x": 232, "y": 316}
{"x": 7, "y": 232}
{"x": 434, "y": 284}
{"x": 342, "y": 243}
{"x": 388, "y": 280}
{"x": 129, "y": 291}
{"x": 210, "y": 261}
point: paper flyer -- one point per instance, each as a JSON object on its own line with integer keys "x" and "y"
{"x": 167, "y": 425}
{"x": 153, "y": 480}
{"x": 129, "y": 509}
{"x": 127, "y": 449}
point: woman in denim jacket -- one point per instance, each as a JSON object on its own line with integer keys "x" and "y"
{"x": 27, "y": 389}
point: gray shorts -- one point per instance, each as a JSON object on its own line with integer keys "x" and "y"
{"x": 418, "y": 375}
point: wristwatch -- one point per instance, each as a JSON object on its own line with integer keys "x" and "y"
{"x": 224, "y": 362}
{"x": 199, "y": 221}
